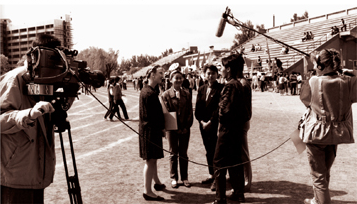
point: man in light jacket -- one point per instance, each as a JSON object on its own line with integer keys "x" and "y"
{"x": 27, "y": 137}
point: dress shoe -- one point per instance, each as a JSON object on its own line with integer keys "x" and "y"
{"x": 207, "y": 181}
{"x": 310, "y": 201}
{"x": 159, "y": 187}
{"x": 213, "y": 186}
{"x": 174, "y": 184}
{"x": 158, "y": 198}
{"x": 186, "y": 183}
{"x": 237, "y": 197}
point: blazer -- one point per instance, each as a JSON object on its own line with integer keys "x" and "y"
{"x": 208, "y": 110}
{"x": 182, "y": 106}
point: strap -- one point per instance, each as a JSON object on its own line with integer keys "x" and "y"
{"x": 341, "y": 101}
{"x": 323, "y": 113}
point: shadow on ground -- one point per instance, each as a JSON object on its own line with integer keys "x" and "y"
{"x": 261, "y": 192}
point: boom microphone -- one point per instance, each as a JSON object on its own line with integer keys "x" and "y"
{"x": 222, "y": 23}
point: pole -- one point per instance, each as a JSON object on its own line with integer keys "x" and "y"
{"x": 269, "y": 62}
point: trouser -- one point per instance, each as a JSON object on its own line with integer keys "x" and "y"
{"x": 178, "y": 146}
{"x": 321, "y": 158}
{"x": 110, "y": 109}
{"x": 262, "y": 86}
{"x": 209, "y": 138}
{"x": 119, "y": 102}
{"x": 236, "y": 176}
{"x": 229, "y": 152}
{"x": 293, "y": 89}
{"x": 245, "y": 157}
{"x": 13, "y": 195}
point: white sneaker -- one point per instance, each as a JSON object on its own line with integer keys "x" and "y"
{"x": 174, "y": 184}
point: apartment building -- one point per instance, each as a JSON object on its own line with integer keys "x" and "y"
{"x": 16, "y": 40}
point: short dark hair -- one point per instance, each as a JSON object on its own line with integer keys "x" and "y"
{"x": 151, "y": 70}
{"x": 235, "y": 62}
{"x": 327, "y": 57}
{"x": 116, "y": 79}
{"x": 46, "y": 40}
{"x": 210, "y": 67}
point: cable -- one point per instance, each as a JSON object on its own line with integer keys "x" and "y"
{"x": 217, "y": 169}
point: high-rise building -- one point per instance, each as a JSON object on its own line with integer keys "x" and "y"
{"x": 16, "y": 40}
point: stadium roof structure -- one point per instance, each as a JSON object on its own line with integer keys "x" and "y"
{"x": 165, "y": 61}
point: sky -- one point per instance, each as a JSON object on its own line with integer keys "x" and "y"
{"x": 150, "y": 27}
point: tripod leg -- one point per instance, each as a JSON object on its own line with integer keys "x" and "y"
{"x": 74, "y": 179}
{"x": 74, "y": 190}
{"x": 65, "y": 167}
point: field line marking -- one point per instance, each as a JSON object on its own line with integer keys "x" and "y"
{"x": 102, "y": 149}
{"x": 99, "y": 121}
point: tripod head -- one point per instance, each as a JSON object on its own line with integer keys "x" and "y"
{"x": 59, "y": 117}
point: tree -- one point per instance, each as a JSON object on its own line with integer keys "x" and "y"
{"x": 166, "y": 52}
{"x": 111, "y": 62}
{"x": 5, "y": 66}
{"x": 99, "y": 59}
{"x": 260, "y": 27}
{"x": 297, "y": 18}
{"x": 245, "y": 34}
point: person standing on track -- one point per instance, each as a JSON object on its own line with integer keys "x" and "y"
{"x": 329, "y": 97}
{"x": 151, "y": 130}
{"x": 233, "y": 114}
{"x": 179, "y": 100}
{"x": 110, "y": 98}
{"x": 206, "y": 113}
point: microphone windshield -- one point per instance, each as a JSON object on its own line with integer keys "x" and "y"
{"x": 221, "y": 26}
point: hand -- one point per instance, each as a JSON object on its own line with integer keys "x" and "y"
{"x": 41, "y": 108}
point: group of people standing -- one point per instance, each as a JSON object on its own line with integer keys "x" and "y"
{"x": 282, "y": 83}
{"x": 285, "y": 82}
{"x": 223, "y": 112}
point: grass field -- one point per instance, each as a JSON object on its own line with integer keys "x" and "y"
{"x": 110, "y": 169}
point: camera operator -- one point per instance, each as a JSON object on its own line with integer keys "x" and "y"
{"x": 27, "y": 136}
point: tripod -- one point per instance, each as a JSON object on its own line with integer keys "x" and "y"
{"x": 74, "y": 190}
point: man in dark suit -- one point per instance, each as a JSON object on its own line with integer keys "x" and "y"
{"x": 206, "y": 113}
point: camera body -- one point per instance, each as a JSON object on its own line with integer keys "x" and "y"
{"x": 55, "y": 72}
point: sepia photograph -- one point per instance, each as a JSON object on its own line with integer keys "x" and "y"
{"x": 131, "y": 102}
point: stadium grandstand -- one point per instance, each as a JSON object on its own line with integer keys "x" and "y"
{"x": 292, "y": 34}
